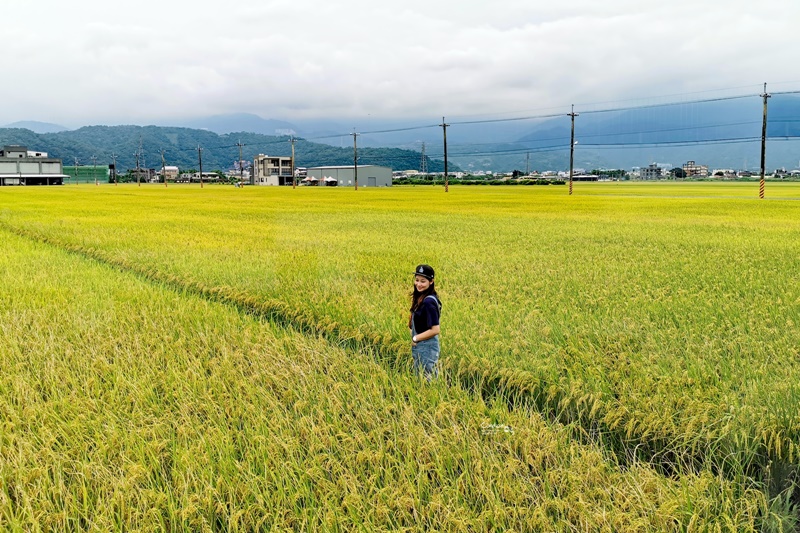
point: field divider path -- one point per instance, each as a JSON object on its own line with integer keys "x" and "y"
{"x": 595, "y": 421}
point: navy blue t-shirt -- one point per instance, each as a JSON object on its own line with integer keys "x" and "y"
{"x": 427, "y": 314}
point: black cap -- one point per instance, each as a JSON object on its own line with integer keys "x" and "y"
{"x": 426, "y": 271}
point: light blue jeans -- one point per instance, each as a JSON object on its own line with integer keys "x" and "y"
{"x": 426, "y": 356}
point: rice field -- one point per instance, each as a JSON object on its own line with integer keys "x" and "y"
{"x": 640, "y": 338}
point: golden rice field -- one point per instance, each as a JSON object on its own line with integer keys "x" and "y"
{"x": 183, "y": 359}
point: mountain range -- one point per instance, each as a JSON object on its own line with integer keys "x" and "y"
{"x": 130, "y": 146}
{"x": 720, "y": 133}
{"x": 37, "y": 127}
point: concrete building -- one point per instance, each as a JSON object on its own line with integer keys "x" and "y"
{"x": 18, "y": 166}
{"x": 344, "y": 176}
{"x": 271, "y": 170}
{"x": 171, "y": 172}
{"x": 651, "y": 172}
{"x": 695, "y": 171}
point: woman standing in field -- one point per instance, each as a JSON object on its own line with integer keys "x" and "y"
{"x": 424, "y": 323}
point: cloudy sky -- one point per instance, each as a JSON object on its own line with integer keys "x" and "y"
{"x": 152, "y": 61}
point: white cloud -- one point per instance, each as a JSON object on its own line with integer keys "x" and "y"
{"x": 90, "y": 62}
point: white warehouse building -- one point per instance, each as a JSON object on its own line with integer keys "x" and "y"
{"x": 19, "y": 166}
{"x": 344, "y": 176}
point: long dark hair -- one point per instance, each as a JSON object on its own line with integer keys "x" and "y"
{"x": 417, "y": 297}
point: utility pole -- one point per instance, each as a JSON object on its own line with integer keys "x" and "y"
{"x": 572, "y": 115}
{"x": 76, "y": 171}
{"x": 163, "y": 168}
{"x": 94, "y": 169}
{"x": 138, "y": 170}
{"x": 140, "y": 154}
{"x": 294, "y": 177}
{"x": 423, "y": 165}
{"x": 528, "y": 164}
{"x": 200, "y": 161}
{"x": 444, "y": 131}
{"x": 355, "y": 157}
{"x": 241, "y": 169}
{"x": 763, "y": 143}
{"x": 114, "y": 170}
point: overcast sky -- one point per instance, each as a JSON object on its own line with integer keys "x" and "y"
{"x": 151, "y": 61}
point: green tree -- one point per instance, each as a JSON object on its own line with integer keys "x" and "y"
{"x": 678, "y": 172}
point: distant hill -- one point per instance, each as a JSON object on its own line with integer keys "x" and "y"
{"x": 37, "y": 127}
{"x": 220, "y": 152}
{"x": 236, "y": 122}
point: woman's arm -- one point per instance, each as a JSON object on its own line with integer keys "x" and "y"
{"x": 429, "y": 334}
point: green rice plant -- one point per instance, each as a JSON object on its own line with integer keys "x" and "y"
{"x": 659, "y": 318}
{"x": 128, "y": 405}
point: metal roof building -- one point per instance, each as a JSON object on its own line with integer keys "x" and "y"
{"x": 344, "y": 176}
{"x": 18, "y": 166}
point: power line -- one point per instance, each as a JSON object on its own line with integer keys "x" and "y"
{"x": 555, "y": 115}
{"x": 564, "y": 146}
{"x": 525, "y": 144}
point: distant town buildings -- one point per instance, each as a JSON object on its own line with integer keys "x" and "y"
{"x": 20, "y": 166}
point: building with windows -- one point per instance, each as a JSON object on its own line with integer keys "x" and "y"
{"x": 344, "y": 176}
{"x": 271, "y": 170}
{"x": 19, "y": 166}
{"x": 692, "y": 170}
{"x": 143, "y": 175}
{"x": 651, "y": 172}
{"x": 171, "y": 173}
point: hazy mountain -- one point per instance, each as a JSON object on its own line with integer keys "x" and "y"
{"x": 179, "y": 145}
{"x": 37, "y": 127}
{"x": 246, "y": 122}
{"x": 723, "y": 133}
